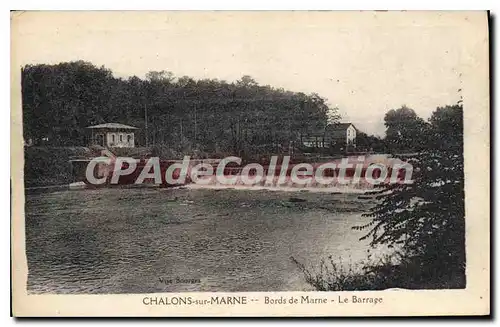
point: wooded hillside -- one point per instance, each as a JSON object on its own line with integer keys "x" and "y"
{"x": 210, "y": 115}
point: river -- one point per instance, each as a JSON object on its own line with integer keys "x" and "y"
{"x": 172, "y": 240}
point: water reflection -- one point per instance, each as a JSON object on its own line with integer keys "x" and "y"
{"x": 125, "y": 241}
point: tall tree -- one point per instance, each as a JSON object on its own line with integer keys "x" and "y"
{"x": 405, "y": 130}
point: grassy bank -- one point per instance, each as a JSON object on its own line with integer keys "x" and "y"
{"x": 44, "y": 166}
{"x": 48, "y": 166}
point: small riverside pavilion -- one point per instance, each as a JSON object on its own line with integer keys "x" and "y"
{"x": 112, "y": 135}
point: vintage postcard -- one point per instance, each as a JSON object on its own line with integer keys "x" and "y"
{"x": 187, "y": 164}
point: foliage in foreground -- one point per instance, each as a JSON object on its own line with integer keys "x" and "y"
{"x": 391, "y": 271}
{"x": 426, "y": 219}
{"x": 423, "y": 220}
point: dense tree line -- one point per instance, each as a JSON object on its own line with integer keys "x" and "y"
{"x": 407, "y": 133}
{"x": 60, "y": 101}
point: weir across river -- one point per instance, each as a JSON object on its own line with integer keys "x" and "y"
{"x": 280, "y": 172}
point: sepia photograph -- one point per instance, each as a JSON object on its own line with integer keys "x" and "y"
{"x": 170, "y": 154}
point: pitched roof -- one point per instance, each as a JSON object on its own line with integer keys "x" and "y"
{"x": 336, "y": 130}
{"x": 339, "y": 126}
{"x": 113, "y": 125}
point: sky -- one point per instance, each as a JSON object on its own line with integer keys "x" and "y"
{"x": 364, "y": 63}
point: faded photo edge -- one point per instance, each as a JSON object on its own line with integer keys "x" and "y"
{"x": 473, "y": 300}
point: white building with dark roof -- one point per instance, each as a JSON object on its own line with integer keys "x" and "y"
{"x": 112, "y": 135}
{"x": 333, "y": 135}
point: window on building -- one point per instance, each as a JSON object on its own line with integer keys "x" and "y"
{"x": 121, "y": 137}
{"x": 129, "y": 138}
{"x": 113, "y": 138}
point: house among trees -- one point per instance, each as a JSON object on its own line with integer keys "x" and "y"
{"x": 112, "y": 135}
{"x": 339, "y": 136}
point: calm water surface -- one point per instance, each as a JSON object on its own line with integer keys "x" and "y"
{"x": 126, "y": 240}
